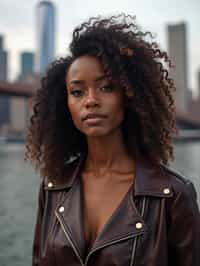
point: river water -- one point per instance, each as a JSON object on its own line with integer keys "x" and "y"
{"x": 18, "y": 197}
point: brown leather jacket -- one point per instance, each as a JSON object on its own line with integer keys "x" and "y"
{"x": 157, "y": 224}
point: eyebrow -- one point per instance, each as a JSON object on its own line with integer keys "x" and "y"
{"x": 76, "y": 81}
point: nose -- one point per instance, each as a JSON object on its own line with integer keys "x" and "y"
{"x": 92, "y": 99}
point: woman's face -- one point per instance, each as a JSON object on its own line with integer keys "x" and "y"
{"x": 95, "y": 103}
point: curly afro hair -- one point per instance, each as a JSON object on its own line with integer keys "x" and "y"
{"x": 129, "y": 56}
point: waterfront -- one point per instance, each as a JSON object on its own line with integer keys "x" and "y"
{"x": 18, "y": 197}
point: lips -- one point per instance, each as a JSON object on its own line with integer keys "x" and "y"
{"x": 93, "y": 116}
{"x": 94, "y": 119}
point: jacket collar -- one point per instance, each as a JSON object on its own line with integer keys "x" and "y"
{"x": 72, "y": 170}
{"x": 152, "y": 180}
{"x": 149, "y": 180}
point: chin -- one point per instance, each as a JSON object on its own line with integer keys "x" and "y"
{"x": 96, "y": 132}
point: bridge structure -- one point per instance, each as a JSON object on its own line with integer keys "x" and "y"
{"x": 187, "y": 120}
{"x": 27, "y": 90}
{"x": 18, "y": 89}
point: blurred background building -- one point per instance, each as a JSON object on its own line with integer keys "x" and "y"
{"x": 194, "y": 107}
{"x": 3, "y": 60}
{"x": 26, "y": 65}
{"x": 198, "y": 80}
{"x": 19, "y": 106}
{"x": 177, "y": 49}
{"x": 4, "y": 100}
{"x": 18, "y": 115}
{"x": 45, "y": 15}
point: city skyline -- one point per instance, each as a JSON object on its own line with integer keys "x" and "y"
{"x": 22, "y": 36}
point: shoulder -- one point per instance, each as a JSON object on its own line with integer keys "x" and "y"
{"x": 180, "y": 184}
{"x": 182, "y": 209}
{"x": 71, "y": 169}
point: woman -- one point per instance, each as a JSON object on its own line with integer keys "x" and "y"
{"x": 101, "y": 134}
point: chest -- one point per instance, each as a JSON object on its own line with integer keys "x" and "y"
{"x": 131, "y": 246}
{"x": 100, "y": 202}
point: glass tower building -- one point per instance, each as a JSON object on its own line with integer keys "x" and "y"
{"x": 177, "y": 48}
{"x": 4, "y": 100}
{"x": 27, "y": 64}
{"x": 45, "y": 15}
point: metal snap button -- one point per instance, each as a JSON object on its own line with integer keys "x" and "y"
{"x": 166, "y": 191}
{"x": 61, "y": 209}
{"x": 50, "y": 184}
{"x": 139, "y": 225}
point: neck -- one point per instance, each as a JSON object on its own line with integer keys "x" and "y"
{"x": 108, "y": 153}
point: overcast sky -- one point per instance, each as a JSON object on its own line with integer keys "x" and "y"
{"x": 17, "y": 23}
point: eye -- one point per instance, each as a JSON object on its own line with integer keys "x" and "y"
{"x": 107, "y": 88}
{"x": 77, "y": 92}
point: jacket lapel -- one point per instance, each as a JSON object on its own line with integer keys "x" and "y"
{"x": 122, "y": 224}
{"x": 72, "y": 216}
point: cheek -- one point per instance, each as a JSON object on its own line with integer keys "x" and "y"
{"x": 118, "y": 111}
{"x": 120, "y": 116}
{"x": 74, "y": 111}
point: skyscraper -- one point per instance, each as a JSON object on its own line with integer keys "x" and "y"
{"x": 19, "y": 112}
{"x": 27, "y": 64}
{"x": 198, "y": 80}
{"x": 1, "y": 42}
{"x": 177, "y": 48}
{"x": 4, "y": 100}
{"x": 3, "y": 60}
{"x": 45, "y": 13}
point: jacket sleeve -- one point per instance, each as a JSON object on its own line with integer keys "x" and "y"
{"x": 184, "y": 231}
{"x": 38, "y": 226}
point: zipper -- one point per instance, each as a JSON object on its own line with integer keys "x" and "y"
{"x": 143, "y": 207}
{"x": 135, "y": 240}
{"x": 133, "y": 251}
{"x": 109, "y": 243}
{"x": 69, "y": 239}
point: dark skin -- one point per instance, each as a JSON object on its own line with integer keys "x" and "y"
{"x": 109, "y": 169}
